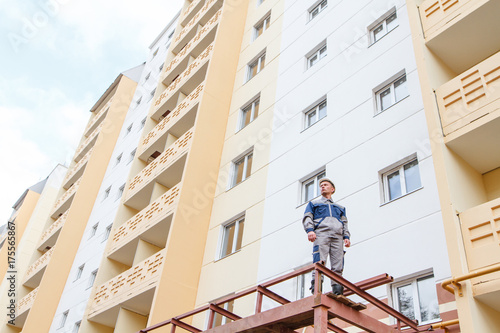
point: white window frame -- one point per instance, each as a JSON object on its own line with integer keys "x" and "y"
{"x": 119, "y": 159}
{"x": 106, "y": 193}
{"x": 131, "y": 155}
{"x": 147, "y": 76}
{"x": 249, "y": 107}
{"x": 76, "y": 328}
{"x": 120, "y": 192}
{"x": 63, "y": 318}
{"x": 259, "y": 62}
{"x": 390, "y": 89}
{"x": 79, "y": 272}
{"x": 129, "y": 129}
{"x": 243, "y": 159}
{"x": 93, "y": 231}
{"x": 315, "y": 56}
{"x": 316, "y": 110}
{"x": 416, "y": 299}
{"x": 387, "y": 23}
{"x": 107, "y": 232}
{"x": 92, "y": 279}
{"x": 399, "y": 167}
{"x": 315, "y": 180}
{"x": 152, "y": 94}
{"x": 264, "y": 24}
{"x": 224, "y": 233}
{"x": 155, "y": 52}
{"x": 143, "y": 123}
{"x": 317, "y": 8}
{"x": 138, "y": 101}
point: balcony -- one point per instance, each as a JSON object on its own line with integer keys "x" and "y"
{"x": 198, "y": 44}
{"x": 23, "y": 307}
{"x": 152, "y": 224}
{"x": 35, "y": 271}
{"x": 469, "y": 107}
{"x": 184, "y": 84}
{"x": 176, "y": 123}
{"x": 88, "y": 143}
{"x": 65, "y": 201}
{"x": 190, "y": 11}
{"x": 453, "y": 28}
{"x": 97, "y": 119}
{"x": 49, "y": 237}
{"x": 77, "y": 171}
{"x": 133, "y": 289}
{"x": 166, "y": 169}
{"x": 191, "y": 28}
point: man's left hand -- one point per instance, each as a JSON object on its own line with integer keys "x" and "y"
{"x": 347, "y": 242}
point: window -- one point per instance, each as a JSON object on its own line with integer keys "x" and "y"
{"x": 392, "y": 93}
{"x": 220, "y": 319}
{"x": 303, "y": 284}
{"x": 315, "y": 114}
{"x": 249, "y": 113}
{"x": 232, "y": 237}
{"x": 310, "y": 187}
{"x": 383, "y": 28}
{"x": 107, "y": 232}
{"x": 261, "y": 27}
{"x": 63, "y": 318}
{"x": 92, "y": 278}
{"x": 317, "y": 9}
{"x": 401, "y": 180}
{"x": 129, "y": 129}
{"x": 76, "y": 328}
{"x": 131, "y": 156}
{"x": 143, "y": 122}
{"x": 242, "y": 169}
{"x": 120, "y": 192}
{"x": 93, "y": 230}
{"x": 151, "y": 95}
{"x": 106, "y": 193}
{"x": 79, "y": 272}
{"x": 155, "y": 52}
{"x": 138, "y": 101}
{"x": 417, "y": 299}
{"x": 118, "y": 159}
{"x": 256, "y": 66}
{"x": 316, "y": 56}
{"x": 259, "y": 2}
{"x": 147, "y": 76}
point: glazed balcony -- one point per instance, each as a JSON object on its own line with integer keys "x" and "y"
{"x": 133, "y": 289}
{"x": 453, "y": 28}
{"x": 166, "y": 169}
{"x": 65, "y": 200}
{"x": 190, "y": 11}
{"x": 184, "y": 84}
{"x": 35, "y": 271}
{"x": 88, "y": 143}
{"x": 193, "y": 49}
{"x": 469, "y": 107}
{"x": 24, "y": 306}
{"x": 77, "y": 170}
{"x": 191, "y": 28}
{"x": 152, "y": 225}
{"x": 176, "y": 123}
{"x": 49, "y": 237}
{"x": 97, "y": 119}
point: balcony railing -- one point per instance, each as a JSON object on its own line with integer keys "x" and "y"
{"x": 97, "y": 117}
{"x": 133, "y": 282}
{"x": 188, "y": 13}
{"x": 52, "y": 230}
{"x": 160, "y": 105}
{"x": 145, "y": 219}
{"x": 91, "y": 138}
{"x": 33, "y": 274}
{"x": 26, "y": 302}
{"x": 160, "y": 164}
{"x": 77, "y": 169}
{"x": 434, "y": 12}
{"x": 163, "y": 126}
{"x": 58, "y": 207}
{"x": 481, "y": 234}
{"x": 183, "y": 56}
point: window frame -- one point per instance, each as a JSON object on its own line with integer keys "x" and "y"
{"x": 92, "y": 278}
{"x": 264, "y": 24}
{"x": 63, "y": 319}
{"x": 304, "y": 183}
{"x": 93, "y": 230}
{"x": 399, "y": 167}
{"x": 250, "y": 106}
{"x": 319, "y": 6}
{"x": 382, "y": 22}
{"x": 131, "y": 156}
{"x": 391, "y": 86}
{"x": 120, "y": 192}
{"x": 79, "y": 272}
{"x": 259, "y": 62}
{"x": 317, "y": 52}
{"x": 245, "y": 172}
{"x": 118, "y": 159}
{"x": 107, "y": 232}
{"x": 77, "y": 326}
{"x": 107, "y": 192}
{"x": 316, "y": 108}
{"x": 239, "y": 227}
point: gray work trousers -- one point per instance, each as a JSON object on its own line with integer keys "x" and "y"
{"x": 332, "y": 247}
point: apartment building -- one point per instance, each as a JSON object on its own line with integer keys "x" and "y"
{"x": 395, "y": 101}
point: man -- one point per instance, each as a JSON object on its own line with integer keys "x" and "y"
{"x": 326, "y": 225}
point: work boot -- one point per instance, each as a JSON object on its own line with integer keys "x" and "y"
{"x": 337, "y": 289}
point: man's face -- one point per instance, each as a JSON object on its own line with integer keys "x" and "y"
{"x": 326, "y": 188}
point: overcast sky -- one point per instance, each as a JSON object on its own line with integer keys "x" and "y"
{"x": 57, "y": 58}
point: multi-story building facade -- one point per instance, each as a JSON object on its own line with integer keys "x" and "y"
{"x": 259, "y": 99}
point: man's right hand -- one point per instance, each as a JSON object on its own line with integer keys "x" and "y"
{"x": 311, "y": 236}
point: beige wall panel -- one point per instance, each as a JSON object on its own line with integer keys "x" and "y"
{"x": 491, "y": 182}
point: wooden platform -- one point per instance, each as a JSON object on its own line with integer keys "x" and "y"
{"x": 344, "y": 300}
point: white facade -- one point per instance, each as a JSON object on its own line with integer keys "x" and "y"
{"x": 76, "y": 293}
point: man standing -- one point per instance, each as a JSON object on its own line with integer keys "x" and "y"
{"x": 326, "y": 225}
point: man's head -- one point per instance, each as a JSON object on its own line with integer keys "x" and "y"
{"x": 327, "y": 187}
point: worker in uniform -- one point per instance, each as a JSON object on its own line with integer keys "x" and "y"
{"x": 325, "y": 223}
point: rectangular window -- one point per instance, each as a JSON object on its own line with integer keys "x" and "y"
{"x": 417, "y": 299}
{"x": 106, "y": 193}
{"x": 232, "y": 237}
{"x": 79, "y": 272}
{"x": 152, "y": 93}
{"x": 93, "y": 230}
{"x": 249, "y": 113}
{"x": 256, "y": 66}
{"x": 92, "y": 278}
{"x": 147, "y": 76}
{"x": 220, "y": 319}
{"x": 155, "y": 52}
{"x": 259, "y": 2}
{"x": 118, "y": 159}
{"x": 242, "y": 168}
{"x": 131, "y": 156}
{"x": 260, "y": 27}
{"x": 120, "y": 192}
{"x": 143, "y": 122}
{"x": 161, "y": 67}
{"x": 310, "y": 187}
{"x": 315, "y": 114}
{"x": 391, "y": 93}
{"x": 317, "y": 9}
{"x": 386, "y": 25}
{"x": 129, "y": 129}
{"x": 76, "y": 328}
{"x": 107, "y": 232}
{"x": 138, "y": 101}
{"x": 316, "y": 56}
{"x": 63, "y": 318}
{"x": 401, "y": 180}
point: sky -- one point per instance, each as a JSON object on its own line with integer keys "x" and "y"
{"x": 57, "y": 58}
